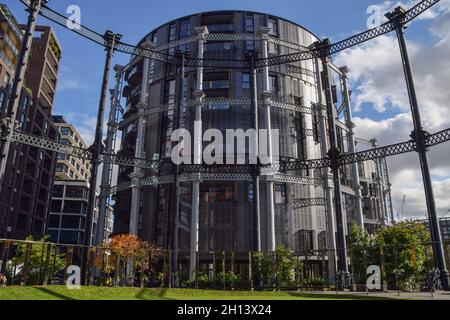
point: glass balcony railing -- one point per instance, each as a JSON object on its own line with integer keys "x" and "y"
{"x": 6, "y": 59}
{"x": 4, "y": 37}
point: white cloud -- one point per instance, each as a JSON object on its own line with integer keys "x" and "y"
{"x": 85, "y": 124}
{"x": 378, "y": 82}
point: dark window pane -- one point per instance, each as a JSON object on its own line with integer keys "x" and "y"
{"x": 71, "y": 222}
{"x": 56, "y": 206}
{"x": 53, "y": 222}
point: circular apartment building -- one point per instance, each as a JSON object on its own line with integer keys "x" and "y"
{"x": 292, "y": 205}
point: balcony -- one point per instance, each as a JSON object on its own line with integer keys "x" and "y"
{"x": 7, "y": 60}
{"x": 6, "y": 39}
{"x": 134, "y": 77}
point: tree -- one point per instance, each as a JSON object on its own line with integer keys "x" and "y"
{"x": 42, "y": 256}
{"x": 360, "y": 244}
{"x": 404, "y": 248}
{"x": 400, "y": 250}
{"x": 127, "y": 250}
{"x": 278, "y": 267}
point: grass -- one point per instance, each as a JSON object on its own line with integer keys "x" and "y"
{"x": 128, "y": 293}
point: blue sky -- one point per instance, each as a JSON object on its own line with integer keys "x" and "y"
{"x": 82, "y": 62}
{"x": 381, "y": 105}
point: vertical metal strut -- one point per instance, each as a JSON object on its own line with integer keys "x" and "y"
{"x": 331, "y": 232}
{"x": 267, "y": 96}
{"x": 8, "y": 123}
{"x": 324, "y": 49}
{"x": 256, "y": 167}
{"x": 110, "y": 42}
{"x": 419, "y": 136}
{"x": 177, "y": 125}
{"x": 107, "y": 163}
{"x": 137, "y": 174}
{"x": 351, "y": 146}
{"x": 199, "y": 95}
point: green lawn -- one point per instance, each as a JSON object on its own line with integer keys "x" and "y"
{"x": 104, "y": 293}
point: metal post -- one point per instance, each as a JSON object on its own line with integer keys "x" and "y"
{"x": 256, "y": 168}
{"x": 331, "y": 233}
{"x": 199, "y": 95}
{"x": 389, "y": 185}
{"x": 9, "y": 122}
{"x": 379, "y": 180}
{"x": 178, "y": 115}
{"x": 106, "y": 171}
{"x": 419, "y": 136}
{"x": 138, "y": 174}
{"x": 333, "y": 155}
{"x": 110, "y": 42}
{"x": 267, "y": 96}
{"x": 351, "y": 146}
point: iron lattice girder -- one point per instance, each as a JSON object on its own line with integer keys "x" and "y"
{"x": 146, "y": 53}
{"x": 282, "y": 166}
{"x": 351, "y": 41}
{"x": 378, "y": 153}
{"x": 47, "y": 144}
{"x": 211, "y": 101}
{"x": 239, "y": 64}
{"x": 437, "y": 138}
{"x": 305, "y": 203}
{"x": 63, "y": 21}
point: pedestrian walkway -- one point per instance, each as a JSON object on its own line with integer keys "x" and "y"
{"x": 440, "y": 295}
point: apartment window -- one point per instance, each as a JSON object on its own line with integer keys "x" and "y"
{"x": 185, "y": 28}
{"x": 172, "y": 36}
{"x": 53, "y": 221}
{"x": 74, "y": 192}
{"x": 56, "y": 206}
{"x": 6, "y": 80}
{"x": 273, "y": 25}
{"x": 62, "y": 156}
{"x": 250, "y": 28}
{"x": 26, "y": 103}
{"x": 216, "y": 84}
{"x": 60, "y": 167}
{"x": 245, "y": 81}
{"x": 22, "y": 120}
{"x": 58, "y": 191}
{"x": 71, "y": 206}
{"x": 273, "y": 84}
{"x": 64, "y": 141}
{"x": 274, "y": 48}
{"x": 316, "y": 133}
{"x": 70, "y": 222}
{"x": 66, "y": 131}
{"x": 2, "y": 99}
{"x": 68, "y": 237}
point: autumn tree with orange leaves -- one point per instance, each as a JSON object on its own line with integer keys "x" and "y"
{"x": 123, "y": 250}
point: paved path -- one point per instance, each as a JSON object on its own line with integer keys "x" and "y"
{"x": 441, "y": 295}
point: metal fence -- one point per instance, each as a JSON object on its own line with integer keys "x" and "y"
{"x": 387, "y": 268}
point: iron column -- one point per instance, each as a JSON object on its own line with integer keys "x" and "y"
{"x": 419, "y": 136}
{"x": 256, "y": 167}
{"x": 334, "y": 152}
{"x": 107, "y": 164}
{"x": 110, "y": 42}
{"x": 176, "y": 230}
{"x": 351, "y": 146}
{"x": 199, "y": 95}
{"x": 137, "y": 174}
{"x": 9, "y": 122}
{"x": 331, "y": 232}
{"x": 267, "y": 100}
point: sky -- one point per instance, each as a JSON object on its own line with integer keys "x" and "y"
{"x": 379, "y": 101}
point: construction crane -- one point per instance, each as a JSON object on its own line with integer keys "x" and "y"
{"x": 401, "y": 211}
